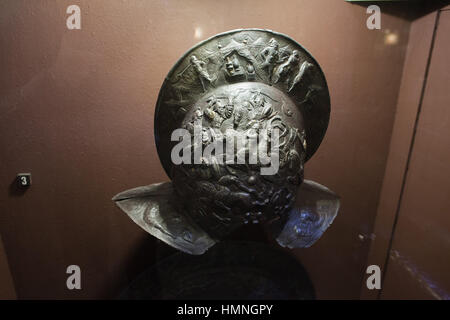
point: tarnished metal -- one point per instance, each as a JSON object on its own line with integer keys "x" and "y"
{"x": 262, "y": 56}
{"x": 237, "y": 85}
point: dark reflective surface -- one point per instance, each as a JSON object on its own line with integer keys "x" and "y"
{"x": 229, "y": 270}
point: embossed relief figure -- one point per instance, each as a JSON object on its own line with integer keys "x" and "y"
{"x": 285, "y": 68}
{"x": 270, "y": 57}
{"x": 254, "y": 107}
{"x": 222, "y": 196}
{"x": 200, "y": 69}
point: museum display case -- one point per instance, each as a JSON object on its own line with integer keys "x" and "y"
{"x": 101, "y": 199}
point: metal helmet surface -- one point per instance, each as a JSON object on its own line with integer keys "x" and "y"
{"x": 224, "y": 101}
{"x": 245, "y": 55}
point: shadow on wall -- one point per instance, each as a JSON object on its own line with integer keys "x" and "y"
{"x": 15, "y": 190}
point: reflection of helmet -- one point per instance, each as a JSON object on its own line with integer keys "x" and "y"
{"x": 209, "y": 199}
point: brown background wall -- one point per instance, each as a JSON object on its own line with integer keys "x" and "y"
{"x": 7, "y": 289}
{"x": 77, "y": 112}
{"x": 409, "y": 100}
{"x": 419, "y": 259}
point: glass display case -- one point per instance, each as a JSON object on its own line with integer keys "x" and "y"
{"x": 91, "y": 92}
